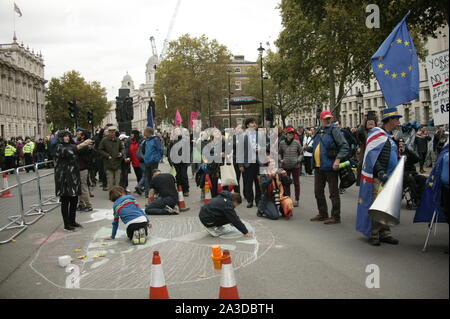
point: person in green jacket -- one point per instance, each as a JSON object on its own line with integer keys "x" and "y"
{"x": 111, "y": 150}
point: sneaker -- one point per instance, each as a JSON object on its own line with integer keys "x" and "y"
{"x": 186, "y": 194}
{"x": 138, "y": 191}
{"x": 81, "y": 208}
{"x": 171, "y": 210}
{"x": 136, "y": 237}
{"x": 374, "y": 241}
{"x": 296, "y": 203}
{"x": 250, "y": 205}
{"x": 69, "y": 229}
{"x": 142, "y": 236}
{"x": 212, "y": 231}
{"x": 220, "y": 230}
{"x": 88, "y": 209}
{"x": 76, "y": 225}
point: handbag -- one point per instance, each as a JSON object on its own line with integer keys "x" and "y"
{"x": 228, "y": 174}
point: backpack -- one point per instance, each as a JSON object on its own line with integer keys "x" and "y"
{"x": 141, "y": 151}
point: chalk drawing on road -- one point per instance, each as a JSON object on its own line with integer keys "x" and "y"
{"x": 183, "y": 243}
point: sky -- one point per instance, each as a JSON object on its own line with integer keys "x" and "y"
{"x": 103, "y": 39}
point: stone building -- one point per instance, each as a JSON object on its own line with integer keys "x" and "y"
{"x": 22, "y": 91}
{"x": 418, "y": 110}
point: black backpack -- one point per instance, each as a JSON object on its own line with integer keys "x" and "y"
{"x": 141, "y": 150}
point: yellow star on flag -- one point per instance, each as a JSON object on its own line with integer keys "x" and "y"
{"x": 386, "y": 71}
{"x": 399, "y": 41}
{"x": 380, "y": 58}
{"x": 360, "y": 201}
{"x": 410, "y": 67}
{"x": 406, "y": 43}
{"x": 394, "y": 75}
{"x": 403, "y": 74}
{"x": 380, "y": 66}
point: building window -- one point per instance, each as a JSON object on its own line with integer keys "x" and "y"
{"x": 417, "y": 114}
{"x": 238, "y": 85}
{"x": 239, "y": 107}
{"x": 226, "y": 123}
{"x": 225, "y": 104}
{"x": 237, "y": 70}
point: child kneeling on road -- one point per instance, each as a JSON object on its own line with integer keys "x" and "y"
{"x": 219, "y": 211}
{"x": 127, "y": 209}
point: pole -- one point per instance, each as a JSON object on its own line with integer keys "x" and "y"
{"x": 38, "y": 130}
{"x": 229, "y": 97}
{"x": 209, "y": 106}
{"x": 262, "y": 91}
{"x": 359, "y": 113}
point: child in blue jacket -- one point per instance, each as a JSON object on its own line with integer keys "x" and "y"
{"x": 127, "y": 209}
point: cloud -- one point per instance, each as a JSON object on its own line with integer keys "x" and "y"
{"x": 104, "y": 39}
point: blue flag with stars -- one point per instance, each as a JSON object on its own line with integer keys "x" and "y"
{"x": 396, "y": 66}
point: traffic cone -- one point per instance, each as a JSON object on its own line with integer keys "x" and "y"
{"x": 208, "y": 196}
{"x": 7, "y": 193}
{"x": 181, "y": 203}
{"x": 228, "y": 288}
{"x": 158, "y": 288}
{"x": 219, "y": 186}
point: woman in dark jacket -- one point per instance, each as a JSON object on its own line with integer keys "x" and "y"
{"x": 361, "y": 136}
{"x": 67, "y": 177}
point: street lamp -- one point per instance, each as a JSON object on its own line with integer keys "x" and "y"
{"x": 359, "y": 100}
{"x": 261, "y": 50}
{"x": 38, "y": 130}
{"x": 229, "y": 96}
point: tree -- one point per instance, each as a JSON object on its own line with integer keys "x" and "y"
{"x": 192, "y": 77}
{"x": 89, "y": 96}
{"x": 329, "y": 39}
{"x": 282, "y": 92}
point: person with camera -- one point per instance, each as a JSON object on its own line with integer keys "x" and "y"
{"x": 329, "y": 148}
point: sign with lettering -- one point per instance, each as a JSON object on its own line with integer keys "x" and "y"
{"x": 437, "y": 66}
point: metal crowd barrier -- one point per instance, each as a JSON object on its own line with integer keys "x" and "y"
{"x": 28, "y": 198}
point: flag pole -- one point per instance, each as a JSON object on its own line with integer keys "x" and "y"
{"x": 14, "y": 23}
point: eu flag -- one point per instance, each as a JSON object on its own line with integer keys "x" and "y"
{"x": 396, "y": 66}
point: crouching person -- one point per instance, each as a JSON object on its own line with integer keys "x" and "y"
{"x": 219, "y": 211}
{"x": 127, "y": 209}
{"x": 162, "y": 186}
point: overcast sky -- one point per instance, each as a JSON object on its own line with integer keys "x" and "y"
{"x": 103, "y": 39}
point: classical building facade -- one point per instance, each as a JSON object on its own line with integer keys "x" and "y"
{"x": 22, "y": 92}
{"x": 239, "y": 81}
{"x": 418, "y": 110}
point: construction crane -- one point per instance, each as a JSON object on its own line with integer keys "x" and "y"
{"x": 152, "y": 41}
{"x": 169, "y": 31}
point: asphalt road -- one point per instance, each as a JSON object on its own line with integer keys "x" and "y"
{"x": 286, "y": 259}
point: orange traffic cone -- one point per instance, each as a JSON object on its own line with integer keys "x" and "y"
{"x": 208, "y": 196}
{"x": 219, "y": 186}
{"x": 181, "y": 203}
{"x": 7, "y": 193}
{"x": 158, "y": 288}
{"x": 228, "y": 288}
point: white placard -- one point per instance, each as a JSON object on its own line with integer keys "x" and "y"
{"x": 437, "y": 66}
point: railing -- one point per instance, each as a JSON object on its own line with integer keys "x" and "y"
{"x": 26, "y": 200}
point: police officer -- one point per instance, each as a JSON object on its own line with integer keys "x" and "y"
{"x": 28, "y": 154}
{"x": 10, "y": 152}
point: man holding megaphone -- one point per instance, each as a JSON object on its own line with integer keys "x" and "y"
{"x": 380, "y": 159}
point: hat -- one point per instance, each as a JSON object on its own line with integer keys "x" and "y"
{"x": 122, "y": 136}
{"x": 390, "y": 113}
{"x": 289, "y": 130}
{"x": 111, "y": 128}
{"x": 326, "y": 114}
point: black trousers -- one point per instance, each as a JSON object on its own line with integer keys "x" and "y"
{"x": 182, "y": 176}
{"x": 157, "y": 207}
{"x": 444, "y": 201}
{"x": 321, "y": 178}
{"x": 214, "y": 222}
{"x": 237, "y": 188}
{"x": 250, "y": 176}
{"x": 10, "y": 162}
{"x": 69, "y": 210}
{"x": 137, "y": 226}
{"x": 138, "y": 173}
{"x": 308, "y": 164}
{"x": 29, "y": 161}
{"x": 422, "y": 158}
{"x": 148, "y": 173}
{"x": 124, "y": 175}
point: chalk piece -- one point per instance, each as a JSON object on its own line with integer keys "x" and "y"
{"x": 13, "y": 241}
{"x": 202, "y": 276}
{"x": 38, "y": 283}
{"x": 81, "y": 257}
{"x": 104, "y": 244}
{"x": 99, "y": 255}
{"x": 77, "y": 251}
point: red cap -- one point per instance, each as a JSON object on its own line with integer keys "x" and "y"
{"x": 326, "y": 114}
{"x": 289, "y": 130}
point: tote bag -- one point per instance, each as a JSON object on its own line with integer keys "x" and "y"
{"x": 228, "y": 174}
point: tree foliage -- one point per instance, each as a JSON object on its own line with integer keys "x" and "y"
{"x": 192, "y": 77}
{"x": 329, "y": 39}
{"x": 282, "y": 92}
{"x": 89, "y": 96}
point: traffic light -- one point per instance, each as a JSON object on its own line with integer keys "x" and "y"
{"x": 73, "y": 109}
{"x": 90, "y": 117}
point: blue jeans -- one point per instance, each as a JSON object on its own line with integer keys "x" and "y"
{"x": 40, "y": 157}
{"x": 142, "y": 183}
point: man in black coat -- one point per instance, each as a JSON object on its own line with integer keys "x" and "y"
{"x": 421, "y": 142}
{"x": 220, "y": 211}
{"x": 164, "y": 186}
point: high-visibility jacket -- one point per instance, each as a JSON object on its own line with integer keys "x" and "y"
{"x": 10, "y": 150}
{"x": 28, "y": 148}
